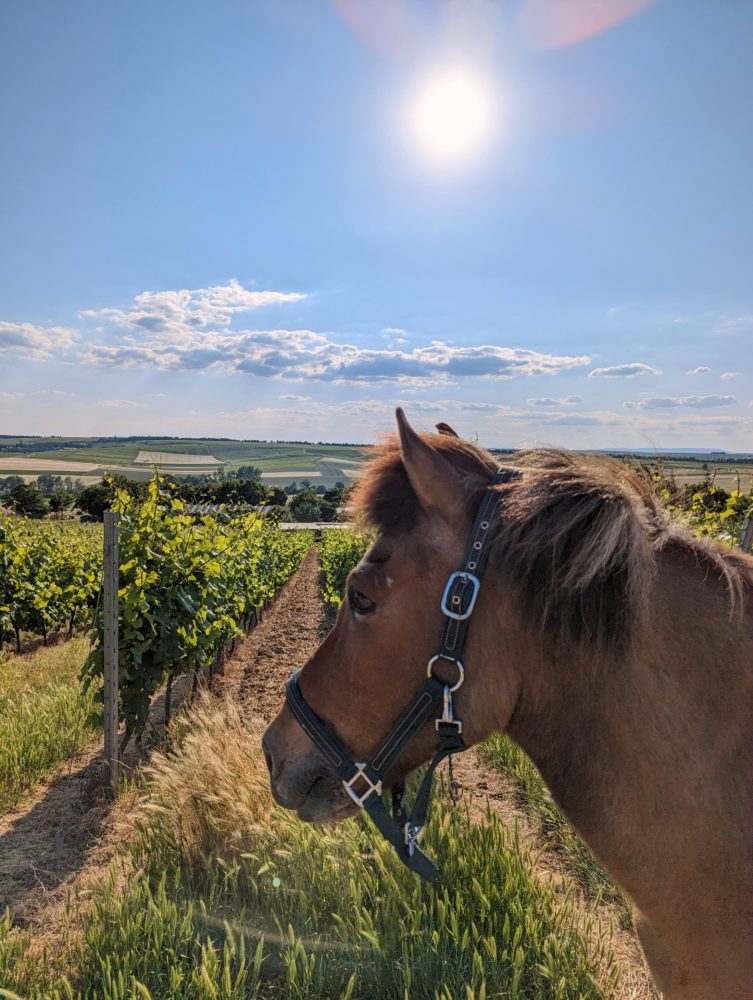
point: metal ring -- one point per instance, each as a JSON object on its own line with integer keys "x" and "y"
{"x": 450, "y": 659}
{"x": 484, "y": 525}
{"x": 477, "y": 545}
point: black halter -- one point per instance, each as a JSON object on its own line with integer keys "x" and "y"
{"x": 363, "y": 780}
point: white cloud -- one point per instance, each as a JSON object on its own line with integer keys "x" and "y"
{"x": 734, "y": 324}
{"x": 550, "y": 401}
{"x": 177, "y": 315}
{"x": 302, "y": 355}
{"x": 700, "y": 370}
{"x": 297, "y": 399}
{"x": 729, "y": 375}
{"x": 390, "y": 331}
{"x": 9, "y": 396}
{"x": 624, "y": 371}
{"x": 32, "y": 342}
{"x": 696, "y": 402}
{"x": 119, "y": 404}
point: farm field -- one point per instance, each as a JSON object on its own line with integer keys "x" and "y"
{"x": 200, "y": 887}
{"x": 280, "y": 462}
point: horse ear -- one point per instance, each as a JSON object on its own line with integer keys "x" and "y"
{"x": 437, "y": 485}
{"x": 445, "y": 429}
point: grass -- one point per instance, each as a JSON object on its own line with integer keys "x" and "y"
{"x": 43, "y": 716}
{"x": 533, "y": 796}
{"x": 225, "y": 896}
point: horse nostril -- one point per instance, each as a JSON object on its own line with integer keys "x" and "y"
{"x": 267, "y": 754}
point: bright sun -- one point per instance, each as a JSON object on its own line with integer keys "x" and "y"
{"x": 451, "y": 115}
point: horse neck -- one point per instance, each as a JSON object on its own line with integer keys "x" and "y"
{"x": 622, "y": 740}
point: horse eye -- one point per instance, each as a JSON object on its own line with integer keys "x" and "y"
{"x": 360, "y": 602}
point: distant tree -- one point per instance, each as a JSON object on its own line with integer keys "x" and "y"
{"x": 241, "y": 491}
{"x": 277, "y": 497}
{"x": 94, "y": 500}
{"x": 27, "y": 499}
{"x": 60, "y": 501}
{"x": 247, "y": 472}
{"x": 7, "y": 484}
{"x": 308, "y": 513}
{"x": 48, "y": 484}
{"x": 305, "y": 506}
{"x": 292, "y": 488}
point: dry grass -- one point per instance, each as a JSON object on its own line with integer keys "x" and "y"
{"x": 215, "y": 789}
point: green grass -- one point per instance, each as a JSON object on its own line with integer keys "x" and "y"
{"x": 533, "y": 797}
{"x": 43, "y": 716}
{"x": 229, "y": 897}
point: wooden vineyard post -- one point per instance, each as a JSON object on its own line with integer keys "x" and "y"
{"x": 746, "y": 535}
{"x": 110, "y": 608}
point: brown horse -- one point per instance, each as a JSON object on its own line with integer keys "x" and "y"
{"x": 611, "y": 645}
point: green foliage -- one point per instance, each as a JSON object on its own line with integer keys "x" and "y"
{"x": 49, "y": 575}
{"x": 305, "y": 506}
{"x": 94, "y": 500}
{"x": 28, "y": 500}
{"x": 717, "y": 514}
{"x": 339, "y": 552}
{"x": 187, "y": 584}
{"x": 707, "y": 509}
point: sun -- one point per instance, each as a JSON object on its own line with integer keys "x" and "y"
{"x": 451, "y": 115}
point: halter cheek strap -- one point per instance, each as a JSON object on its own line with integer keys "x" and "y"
{"x": 363, "y": 780}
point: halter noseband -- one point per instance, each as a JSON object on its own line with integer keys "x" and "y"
{"x": 363, "y": 781}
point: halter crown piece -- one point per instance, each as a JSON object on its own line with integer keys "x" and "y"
{"x": 363, "y": 780}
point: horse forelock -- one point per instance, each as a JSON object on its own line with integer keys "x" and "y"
{"x": 577, "y": 542}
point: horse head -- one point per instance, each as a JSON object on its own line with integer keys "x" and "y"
{"x": 421, "y": 495}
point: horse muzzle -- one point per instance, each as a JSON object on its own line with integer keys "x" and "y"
{"x": 303, "y": 782}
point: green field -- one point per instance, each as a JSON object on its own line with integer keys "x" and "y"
{"x": 280, "y": 462}
{"x": 283, "y": 462}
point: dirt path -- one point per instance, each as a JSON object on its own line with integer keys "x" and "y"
{"x": 288, "y": 634}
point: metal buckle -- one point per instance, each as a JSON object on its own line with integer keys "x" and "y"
{"x": 450, "y": 659}
{"x": 361, "y": 773}
{"x": 412, "y": 836}
{"x": 447, "y": 718}
{"x": 460, "y": 616}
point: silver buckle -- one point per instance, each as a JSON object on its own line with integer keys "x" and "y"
{"x": 460, "y": 575}
{"x": 447, "y": 717}
{"x": 450, "y": 659}
{"x": 361, "y": 773}
{"x": 412, "y": 836}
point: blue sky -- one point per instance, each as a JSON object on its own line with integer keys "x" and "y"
{"x": 218, "y": 219}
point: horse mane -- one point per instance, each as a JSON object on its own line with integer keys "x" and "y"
{"x": 577, "y": 541}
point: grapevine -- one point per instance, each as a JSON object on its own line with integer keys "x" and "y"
{"x": 339, "y": 552}
{"x": 49, "y": 575}
{"x": 187, "y": 584}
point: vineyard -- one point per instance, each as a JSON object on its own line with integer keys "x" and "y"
{"x": 187, "y": 585}
{"x": 50, "y": 576}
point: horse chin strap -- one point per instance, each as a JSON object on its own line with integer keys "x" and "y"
{"x": 363, "y": 780}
